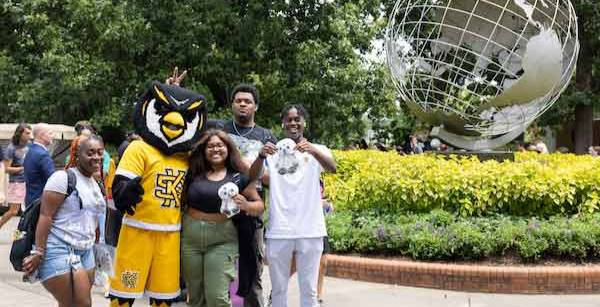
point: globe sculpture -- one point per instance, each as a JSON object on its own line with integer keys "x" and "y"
{"x": 481, "y": 71}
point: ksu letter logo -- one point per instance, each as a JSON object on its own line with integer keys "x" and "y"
{"x": 169, "y": 186}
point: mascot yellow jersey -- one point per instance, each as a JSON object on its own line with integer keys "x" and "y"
{"x": 162, "y": 181}
{"x": 147, "y": 189}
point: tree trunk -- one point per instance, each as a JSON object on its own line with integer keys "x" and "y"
{"x": 584, "y": 114}
{"x": 584, "y": 128}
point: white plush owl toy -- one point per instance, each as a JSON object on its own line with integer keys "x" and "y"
{"x": 227, "y": 192}
{"x": 287, "y": 163}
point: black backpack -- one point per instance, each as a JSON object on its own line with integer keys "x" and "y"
{"x": 24, "y": 237}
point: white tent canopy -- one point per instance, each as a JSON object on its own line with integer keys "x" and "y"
{"x": 61, "y": 132}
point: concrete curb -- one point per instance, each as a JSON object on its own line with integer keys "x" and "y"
{"x": 470, "y": 278}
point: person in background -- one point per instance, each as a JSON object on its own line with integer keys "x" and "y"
{"x": 130, "y": 137}
{"x": 541, "y": 147}
{"x": 13, "y": 164}
{"x": 3, "y": 183}
{"x": 412, "y": 145}
{"x": 114, "y": 217}
{"x": 38, "y": 165}
{"x": 381, "y": 146}
{"x": 532, "y": 147}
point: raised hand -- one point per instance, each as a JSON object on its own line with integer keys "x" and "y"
{"x": 268, "y": 149}
{"x": 305, "y": 146}
{"x": 176, "y": 78}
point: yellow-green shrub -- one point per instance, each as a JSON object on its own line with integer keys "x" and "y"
{"x": 531, "y": 185}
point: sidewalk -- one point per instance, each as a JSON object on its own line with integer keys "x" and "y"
{"x": 338, "y": 292}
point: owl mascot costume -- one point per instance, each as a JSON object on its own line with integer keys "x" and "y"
{"x": 147, "y": 189}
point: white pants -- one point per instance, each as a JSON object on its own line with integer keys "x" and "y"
{"x": 308, "y": 255}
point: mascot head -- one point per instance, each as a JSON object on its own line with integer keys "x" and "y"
{"x": 170, "y": 117}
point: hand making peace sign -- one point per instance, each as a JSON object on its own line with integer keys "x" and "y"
{"x": 176, "y": 78}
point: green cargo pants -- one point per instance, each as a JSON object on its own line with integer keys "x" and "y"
{"x": 208, "y": 254}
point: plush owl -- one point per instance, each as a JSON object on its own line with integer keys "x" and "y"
{"x": 227, "y": 192}
{"x": 287, "y": 163}
{"x": 170, "y": 118}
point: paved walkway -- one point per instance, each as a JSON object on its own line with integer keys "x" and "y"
{"x": 338, "y": 292}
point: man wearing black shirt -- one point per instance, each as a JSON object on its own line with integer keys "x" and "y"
{"x": 249, "y": 139}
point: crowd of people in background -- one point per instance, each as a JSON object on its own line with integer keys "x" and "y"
{"x": 420, "y": 143}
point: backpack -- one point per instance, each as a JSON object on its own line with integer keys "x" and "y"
{"x": 24, "y": 237}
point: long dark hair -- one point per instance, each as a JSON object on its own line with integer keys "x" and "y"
{"x": 16, "y": 139}
{"x": 198, "y": 164}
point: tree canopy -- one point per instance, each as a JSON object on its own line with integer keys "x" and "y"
{"x": 62, "y": 61}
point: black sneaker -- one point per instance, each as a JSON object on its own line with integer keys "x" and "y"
{"x": 182, "y": 296}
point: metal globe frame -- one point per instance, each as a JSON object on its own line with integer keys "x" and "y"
{"x": 478, "y": 69}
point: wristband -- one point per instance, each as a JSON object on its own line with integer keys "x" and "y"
{"x": 37, "y": 249}
{"x": 260, "y": 155}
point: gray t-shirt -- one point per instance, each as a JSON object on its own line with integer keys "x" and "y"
{"x": 17, "y": 155}
{"x": 72, "y": 224}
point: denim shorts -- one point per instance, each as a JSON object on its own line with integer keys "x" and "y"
{"x": 60, "y": 257}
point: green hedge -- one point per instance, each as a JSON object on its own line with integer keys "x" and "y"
{"x": 441, "y": 235}
{"x": 533, "y": 185}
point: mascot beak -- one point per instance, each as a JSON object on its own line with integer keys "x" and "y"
{"x": 172, "y": 125}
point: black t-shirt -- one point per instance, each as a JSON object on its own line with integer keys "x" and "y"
{"x": 249, "y": 140}
{"x": 203, "y": 193}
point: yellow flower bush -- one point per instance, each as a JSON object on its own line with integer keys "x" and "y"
{"x": 533, "y": 184}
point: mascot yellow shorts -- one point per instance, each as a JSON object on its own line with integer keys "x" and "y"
{"x": 146, "y": 261}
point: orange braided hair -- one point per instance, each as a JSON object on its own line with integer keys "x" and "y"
{"x": 73, "y": 151}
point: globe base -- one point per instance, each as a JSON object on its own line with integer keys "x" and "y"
{"x": 472, "y": 143}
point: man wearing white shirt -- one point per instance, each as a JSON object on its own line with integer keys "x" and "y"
{"x": 296, "y": 222}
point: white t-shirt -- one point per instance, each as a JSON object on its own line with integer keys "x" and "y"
{"x": 295, "y": 209}
{"x": 71, "y": 223}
